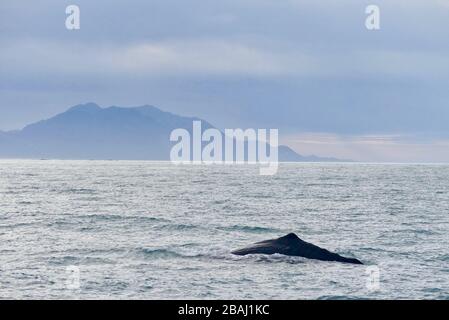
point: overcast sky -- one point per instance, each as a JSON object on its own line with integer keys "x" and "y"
{"x": 309, "y": 68}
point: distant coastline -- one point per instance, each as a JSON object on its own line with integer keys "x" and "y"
{"x": 87, "y": 131}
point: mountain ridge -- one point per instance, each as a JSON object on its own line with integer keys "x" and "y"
{"x": 88, "y": 131}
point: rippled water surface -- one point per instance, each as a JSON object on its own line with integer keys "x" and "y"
{"x": 147, "y": 230}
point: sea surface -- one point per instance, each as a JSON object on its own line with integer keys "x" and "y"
{"x": 154, "y": 230}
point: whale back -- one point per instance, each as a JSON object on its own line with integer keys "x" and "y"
{"x": 282, "y": 245}
{"x": 292, "y": 245}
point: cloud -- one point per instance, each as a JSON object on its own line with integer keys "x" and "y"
{"x": 212, "y": 57}
{"x": 205, "y": 57}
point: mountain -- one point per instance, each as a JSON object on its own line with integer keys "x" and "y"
{"x": 286, "y": 154}
{"x": 87, "y": 131}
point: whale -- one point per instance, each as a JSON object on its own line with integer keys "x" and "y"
{"x": 292, "y": 245}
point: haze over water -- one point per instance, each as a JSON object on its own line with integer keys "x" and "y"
{"x": 153, "y": 230}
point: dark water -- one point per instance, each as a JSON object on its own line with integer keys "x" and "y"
{"x": 156, "y": 230}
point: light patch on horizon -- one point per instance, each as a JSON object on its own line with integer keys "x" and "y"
{"x": 370, "y": 148}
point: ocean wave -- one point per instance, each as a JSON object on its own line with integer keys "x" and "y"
{"x": 250, "y": 229}
{"x": 76, "y": 260}
{"x": 105, "y": 216}
{"x": 444, "y": 257}
{"x": 159, "y": 253}
{"x": 17, "y": 225}
{"x": 423, "y": 232}
{"x": 217, "y": 254}
{"x": 181, "y": 252}
{"x": 277, "y": 258}
{"x": 177, "y": 227}
{"x": 78, "y": 191}
{"x": 337, "y": 297}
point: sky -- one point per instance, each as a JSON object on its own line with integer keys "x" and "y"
{"x": 308, "y": 68}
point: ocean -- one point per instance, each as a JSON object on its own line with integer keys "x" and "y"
{"x": 155, "y": 230}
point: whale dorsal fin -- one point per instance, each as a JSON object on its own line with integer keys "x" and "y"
{"x": 289, "y": 237}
